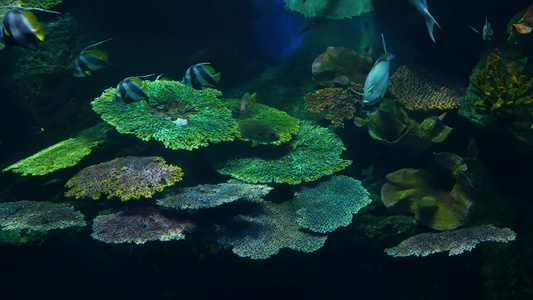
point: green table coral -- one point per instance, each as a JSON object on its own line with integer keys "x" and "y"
{"x": 63, "y": 154}
{"x": 331, "y": 204}
{"x": 285, "y": 125}
{"x": 207, "y": 121}
{"x": 314, "y": 152}
{"x": 338, "y": 9}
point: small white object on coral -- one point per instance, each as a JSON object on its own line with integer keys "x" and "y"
{"x": 180, "y": 122}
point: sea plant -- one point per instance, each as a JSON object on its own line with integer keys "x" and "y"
{"x": 501, "y": 88}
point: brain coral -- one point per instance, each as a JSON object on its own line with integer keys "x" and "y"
{"x": 125, "y": 177}
{"x": 264, "y": 234}
{"x": 38, "y": 216}
{"x": 456, "y": 242}
{"x": 280, "y": 121}
{"x": 139, "y": 226}
{"x": 333, "y": 9}
{"x": 331, "y": 204}
{"x": 64, "y": 154}
{"x": 419, "y": 90}
{"x": 211, "y": 195}
{"x": 207, "y": 120}
{"x": 313, "y": 153}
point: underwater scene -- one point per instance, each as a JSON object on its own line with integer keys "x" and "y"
{"x": 266, "y": 149}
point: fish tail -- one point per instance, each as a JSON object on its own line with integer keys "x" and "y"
{"x": 430, "y": 24}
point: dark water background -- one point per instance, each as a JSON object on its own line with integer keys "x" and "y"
{"x": 243, "y": 39}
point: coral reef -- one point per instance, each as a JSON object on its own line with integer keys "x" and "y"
{"x": 340, "y": 65}
{"x": 207, "y": 120}
{"x": 331, "y": 204}
{"x": 501, "y": 88}
{"x": 340, "y": 103}
{"x": 126, "y": 177}
{"x": 330, "y": 9}
{"x": 285, "y": 125}
{"x": 63, "y": 154}
{"x": 139, "y": 226}
{"x": 456, "y": 242}
{"x": 438, "y": 197}
{"x": 419, "y": 90}
{"x": 313, "y": 153}
{"x": 38, "y": 216}
{"x": 263, "y": 235}
{"x": 391, "y": 125}
{"x": 211, "y": 195}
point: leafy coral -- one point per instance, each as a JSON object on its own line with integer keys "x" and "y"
{"x": 331, "y": 204}
{"x": 313, "y": 153}
{"x": 501, "y": 88}
{"x": 63, "y": 154}
{"x": 338, "y": 9}
{"x": 207, "y": 120}
{"x": 285, "y": 125}
{"x": 126, "y": 177}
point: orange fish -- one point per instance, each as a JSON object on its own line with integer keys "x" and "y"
{"x": 526, "y": 23}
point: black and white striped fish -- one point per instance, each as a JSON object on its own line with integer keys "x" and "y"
{"x": 200, "y": 75}
{"x": 89, "y": 60}
{"x": 20, "y": 28}
{"x": 131, "y": 89}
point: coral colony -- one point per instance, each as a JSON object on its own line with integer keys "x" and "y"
{"x": 304, "y": 158}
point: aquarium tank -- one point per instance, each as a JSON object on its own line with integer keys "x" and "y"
{"x": 266, "y": 149}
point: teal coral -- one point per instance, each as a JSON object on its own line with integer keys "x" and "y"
{"x": 275, "y": 228}
{"x": 285, "y": 125}
{"x": 314, "y": 153}
{"x": 331, "y": 204}
{"x": 207, "y": 120}
{"x": 501, "y": 88}
{"x": 338, "y": 9}
{"x": 38, "y": 216}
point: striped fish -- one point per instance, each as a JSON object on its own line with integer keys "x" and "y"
{"x": 20, "y": 28}
{"x": 89, "y": 60}
{"x": 131, "y": 89}
{"x": 200, "y": 75}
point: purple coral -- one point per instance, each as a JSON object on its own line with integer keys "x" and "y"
{"x": 139, "y": 226}
{"x": 419, "y": 90}
{"x": 456, "y": 242}
{"x": 125, "y": 177}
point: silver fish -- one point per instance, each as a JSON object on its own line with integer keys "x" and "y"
{"x": 200, "y": 75}
{"x": 20, "y": 28}
{"x": 422, "y": 7}
{"x": 486, "y": 32}
{"x": 377, "y": 81}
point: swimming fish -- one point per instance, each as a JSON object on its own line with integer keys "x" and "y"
{"x": 20, "y": 28}
{"x": 200, "y": 75}
{"x": 377, "y": 81}
{"x": 487, "y": 30}
{"x": 247, "y": 101}
{"x": 257, "y": 132}
{"x": 131, "y": 89}
{"x": 89, "y": 60}
{"x": 422, "y": 7}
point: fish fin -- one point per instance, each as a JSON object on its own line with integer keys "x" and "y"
{"x": 40, "y": 32}
{"x": 30, "y": 17}
{"x": 104, "y": 56}
{"x": 430, "y": 24}
{"x": 253, "y": 96}
{"x": 475, "y": 30}
{"x": 137, "y": 81}
{"x": 254, "y": 143}
{"x": 209, "y": 69}
{"x": 97, "y": 52}
{"x": 88, "y": 72}
{"x": 216, "y": 77}
{"x": 5, "y": 31}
